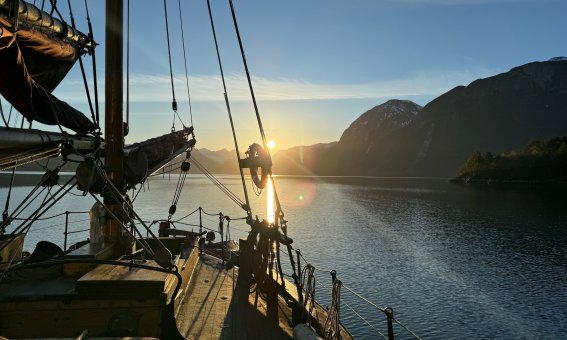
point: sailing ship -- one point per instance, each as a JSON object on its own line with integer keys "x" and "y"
{"x": 124, "y": 280}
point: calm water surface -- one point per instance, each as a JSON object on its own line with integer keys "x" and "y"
{"x": 453, "y": 262}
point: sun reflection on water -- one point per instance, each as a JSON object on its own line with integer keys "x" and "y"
{"x": 270, "y": 202}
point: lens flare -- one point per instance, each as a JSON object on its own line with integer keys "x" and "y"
{"x": 270, "y": 201}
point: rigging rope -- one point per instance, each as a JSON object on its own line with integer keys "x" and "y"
{"x": 2, "y": 113}
{"x": 127, "y": 209}
{"x": 331, "y": 327}
{"x": 249, "y": 212}
{"x": 93, "y": 53}
{"x": 259, "y": 120}
{"x": 221, "y": 186}
{"x": 308, "y": 283}
{"x": 88, "y": 93}
{"x": 365, "y": 321}
{"x": 54, "y": 8}
{"x": 7, "y": 205}
{"x": 173, "y": 102}
{"x": 185, "y": 60}
{"x": 128, "y": 63}
{"x": 29, "y": 156}
{"x": 260, "y": 126}
{"x": 46, "y": 204}
{"x": 180, "y": 182}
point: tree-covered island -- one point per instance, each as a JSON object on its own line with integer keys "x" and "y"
{"x": 539, "y": 162}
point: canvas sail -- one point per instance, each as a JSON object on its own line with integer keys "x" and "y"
{"x": 36, "y": 52}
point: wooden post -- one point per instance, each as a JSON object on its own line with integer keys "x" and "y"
{"x": 114, "y": 129}
{"x": 390, "y": 315}
{"x": 272, "y": 301}
{"x": 201, "y": 246}
{"x": 66, "y": 229}
{"x": 244, "y": 270}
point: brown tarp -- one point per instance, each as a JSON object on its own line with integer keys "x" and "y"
{"x": 31, "y": 66}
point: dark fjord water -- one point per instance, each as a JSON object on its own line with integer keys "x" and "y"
{"x": 453, "y": 262}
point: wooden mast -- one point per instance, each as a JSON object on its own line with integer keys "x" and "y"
{"x": 113, "y": 125}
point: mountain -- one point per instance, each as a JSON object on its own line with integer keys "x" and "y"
{"x": 217, "y": 162}
{"x": 379, "y": 122}
{"x": 495, "y": 114}
{"x": 318, "y": 159}
{"x": 370, "y": 133}
{"x": 498, "y": 113}
{"x": 400, "y": 138}
{"x": 357, "y": 141}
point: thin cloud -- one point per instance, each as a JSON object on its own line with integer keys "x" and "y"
{"x": 157, "y": 88}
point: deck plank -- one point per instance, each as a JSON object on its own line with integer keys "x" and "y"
{"x": 213, "y": 310}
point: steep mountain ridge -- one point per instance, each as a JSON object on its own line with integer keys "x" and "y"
{"x": 379, "y": 122}
{"x": 498, "y": 113}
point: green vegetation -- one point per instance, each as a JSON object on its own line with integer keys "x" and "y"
{"x": 539, "y": 161}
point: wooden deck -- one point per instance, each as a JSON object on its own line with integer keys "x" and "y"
{"x": 212, "y": 308}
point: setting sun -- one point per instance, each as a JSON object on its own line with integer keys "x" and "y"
{"x": 271, "y": 144}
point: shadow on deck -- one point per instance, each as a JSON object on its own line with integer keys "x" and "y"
{"x": 212, "y": 308}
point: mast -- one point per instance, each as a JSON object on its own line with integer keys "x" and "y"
{"x": 113, "y": 125}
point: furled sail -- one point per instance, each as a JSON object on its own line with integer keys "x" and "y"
{"x": 146, "y": 157}
{"x": 36, "y": 52}
{"x": 22, "y": 146}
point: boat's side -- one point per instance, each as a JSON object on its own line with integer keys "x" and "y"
{"x": 218, "y": 307}
{"x": 108, "y": 300}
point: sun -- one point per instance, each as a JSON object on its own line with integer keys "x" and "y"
{"x": 271, "y": 144}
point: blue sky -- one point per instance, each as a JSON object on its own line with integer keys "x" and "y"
{"x": 316, "y": 65}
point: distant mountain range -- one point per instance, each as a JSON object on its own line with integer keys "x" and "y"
{"x": 401, "y": 138}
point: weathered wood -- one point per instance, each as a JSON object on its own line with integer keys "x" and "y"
{"x": 213, "y": 308}
{"x": 91, "y": 250}
{"x": 87, "y": 251}
{"x": 69, "y": 317}
{"x": 122, "y": 281}
{"x": 244, "y": 270}
{"x": 186, "y": 269}
{"x": 12, "y": 251}
{"x": 37, "y": 289}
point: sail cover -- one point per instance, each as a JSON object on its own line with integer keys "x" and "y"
{"x": 36, "y": 52}
{"x": 148, "y": 156}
